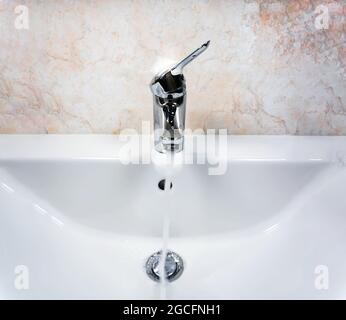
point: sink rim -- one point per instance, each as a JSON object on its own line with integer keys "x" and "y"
{"x": 240, "y": 148}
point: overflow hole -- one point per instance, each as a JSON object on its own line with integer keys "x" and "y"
{"x": 162, "y": 184}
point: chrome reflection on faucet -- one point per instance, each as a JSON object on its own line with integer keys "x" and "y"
{"x": 169, "y": 90}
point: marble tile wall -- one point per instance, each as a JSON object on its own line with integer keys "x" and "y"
{"x": 273, "y": 67}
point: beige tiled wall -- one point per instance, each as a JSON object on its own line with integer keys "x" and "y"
{"x": 84, "y": 66}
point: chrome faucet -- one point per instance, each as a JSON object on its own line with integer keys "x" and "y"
{"x": 169, "y": 90}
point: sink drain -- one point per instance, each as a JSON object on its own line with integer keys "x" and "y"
{"x": 162, "y": 184}
{"x": 174, "y": 266}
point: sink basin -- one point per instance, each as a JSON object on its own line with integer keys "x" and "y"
{"x": 84, "y": 223}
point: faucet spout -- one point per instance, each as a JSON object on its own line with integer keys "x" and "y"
{"x": 169, "y": 90}
{"x": 178, "y": 68}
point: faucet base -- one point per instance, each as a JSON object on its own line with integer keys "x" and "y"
{"x": 163, "y": 145}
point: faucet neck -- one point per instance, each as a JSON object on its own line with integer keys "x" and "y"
{"x": 169, "y": 90}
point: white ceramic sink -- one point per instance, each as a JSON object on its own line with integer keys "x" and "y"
{"x": 83, "y": 223}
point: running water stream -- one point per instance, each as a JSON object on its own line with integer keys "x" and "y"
{"x": 168, "y": 167}
{"x": 165, "y": 238}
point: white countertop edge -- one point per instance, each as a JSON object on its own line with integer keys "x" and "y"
{"x": 94, "y": 147}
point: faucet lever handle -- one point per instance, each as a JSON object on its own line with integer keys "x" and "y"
{"x": 178, "y": 68}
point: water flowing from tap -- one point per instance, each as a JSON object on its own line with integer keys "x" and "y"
{"x": 168, "y": 164}
{"x": 165, "y": 239}
{"x": 166, "y": 222}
